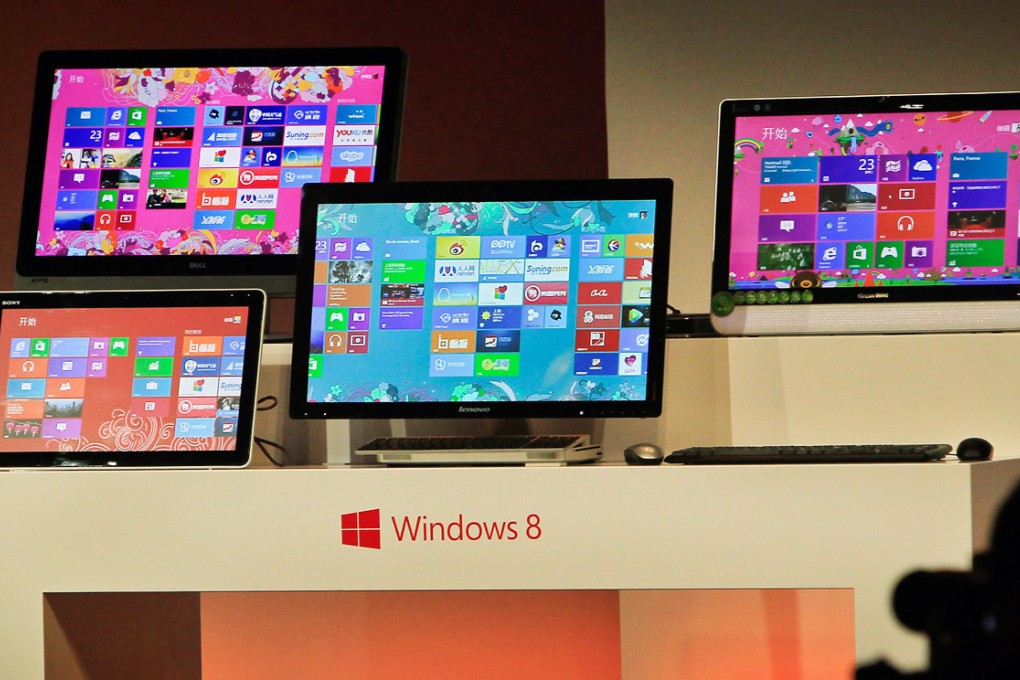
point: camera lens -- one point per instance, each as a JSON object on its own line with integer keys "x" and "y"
{"x": 757, "y": 107}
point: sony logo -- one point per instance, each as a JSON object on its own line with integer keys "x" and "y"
{"x": 11, "y": 303}
{"x": 873, "y": 296}
{"x": 474, "y": 409}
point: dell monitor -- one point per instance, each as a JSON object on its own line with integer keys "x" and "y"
{"x": 868, "y": 214}
{"x": 499, "y": 300}
{"x": 184, "y": 168}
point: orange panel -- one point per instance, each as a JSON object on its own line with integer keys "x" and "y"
{"x": 422, "y": 635}
{"x": 716, "y": 634}
{"x": 631, "y": 635}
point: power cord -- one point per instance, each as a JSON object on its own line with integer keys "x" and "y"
{"x": 681, "y": 325}
{"x": 268, "y": 403}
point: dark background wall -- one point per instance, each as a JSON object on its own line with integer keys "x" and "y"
{"x": 507, "y": 90}
{"x": 498, "y": 90}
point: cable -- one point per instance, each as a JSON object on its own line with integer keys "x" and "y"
{"x": 268, "y": 403}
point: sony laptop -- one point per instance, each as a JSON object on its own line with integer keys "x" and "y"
{"x": 131, "y": 379}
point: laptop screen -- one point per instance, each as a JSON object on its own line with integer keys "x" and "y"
{"x": 129, "y": 379}
{"x": 523, "y": 299}
{"x": 914, "y": 195}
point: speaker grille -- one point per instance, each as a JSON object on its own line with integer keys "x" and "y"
{"x": 898, "y": 317}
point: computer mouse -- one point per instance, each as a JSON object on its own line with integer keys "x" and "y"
{"x": 643, "y": 454}
{"x": 974, "y": 448}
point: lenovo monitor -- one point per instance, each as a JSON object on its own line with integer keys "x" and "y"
{"x": 520, "y": 299}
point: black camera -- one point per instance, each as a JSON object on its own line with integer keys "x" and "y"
{"x": 971, "y": 618}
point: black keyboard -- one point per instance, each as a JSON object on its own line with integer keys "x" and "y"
{"x": 821, "y": 453}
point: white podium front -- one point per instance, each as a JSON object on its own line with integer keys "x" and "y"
{"x": 860, "y": 527}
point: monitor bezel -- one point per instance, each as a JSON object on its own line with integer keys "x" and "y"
{"x": 254, "y": 300}
{"x": 732, "y": 109}
{"x": 36, "y": 272}
{"x": 658, "y": 189}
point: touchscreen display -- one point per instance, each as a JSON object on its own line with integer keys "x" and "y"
{"x": 883, "y": 198}
{"x": 482, "y": 301}
{"x": 203, "y": 160}
{"x": 122, "y": 379}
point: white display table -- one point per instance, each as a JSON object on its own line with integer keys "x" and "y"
{"x": 590, "y": 527}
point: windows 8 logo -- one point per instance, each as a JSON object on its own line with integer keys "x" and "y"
{"x": 364, "y": 529}
{"x": 361, "y": 529}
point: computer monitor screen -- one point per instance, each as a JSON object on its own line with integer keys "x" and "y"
{"x": 500, "y": 299}
{"x": 853, "y": 202}
{"x": 170, "y": 163}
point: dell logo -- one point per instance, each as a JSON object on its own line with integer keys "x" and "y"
{"x": 197, "y": 265}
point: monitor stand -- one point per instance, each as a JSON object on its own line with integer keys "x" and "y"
{"x": 343, "y": 437}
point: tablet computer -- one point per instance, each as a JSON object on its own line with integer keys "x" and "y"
{"x": 129, "y": 379}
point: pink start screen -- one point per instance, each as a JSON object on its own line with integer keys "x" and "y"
{"x": 199, "y": 161}
{"x": 896, "y": 198}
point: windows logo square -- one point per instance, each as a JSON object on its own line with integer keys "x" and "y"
{"x": 361, "y": 529}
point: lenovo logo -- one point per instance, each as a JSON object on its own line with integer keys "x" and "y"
{"x": 474, "y": 409}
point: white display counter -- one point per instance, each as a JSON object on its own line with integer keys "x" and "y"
{"x": 591, "y": 527}
{"x": 606, "y": 526}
